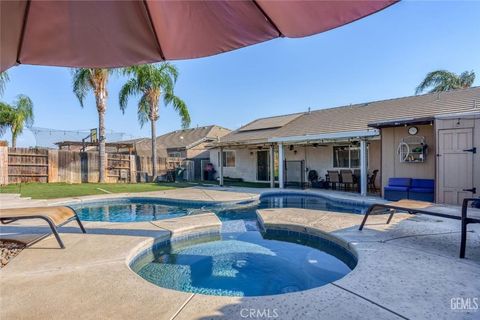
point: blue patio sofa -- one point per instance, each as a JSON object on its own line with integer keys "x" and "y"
{"x": 407, "y": 188}
{"x": 397, "y": 189}
{"x": 422, "y": 190}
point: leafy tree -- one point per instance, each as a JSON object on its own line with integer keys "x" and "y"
{"x": 442, "y": 80}
{"x": 16, "y": 116}
{"x": 152, "y": 83}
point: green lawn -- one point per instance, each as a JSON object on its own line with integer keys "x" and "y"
{"x": 62, "y": 190}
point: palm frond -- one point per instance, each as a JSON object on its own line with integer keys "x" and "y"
{"x": 466, "y": 79}
{"x": 130, "y": 88}
{"x": 24, "y": 108}
{"x": 3, "y": 81}
{"x": 439, "y": 79}
{"x": 143, "y": 110}
{"x": 179, "y": 106}
{"x": 169, "y": 69}
{"x": 81, "y": 83}
{"x": 16, "y": 116}
{"x": 152, "y": 81}
{"x": 442, "y": 80}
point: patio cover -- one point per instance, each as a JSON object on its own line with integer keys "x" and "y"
{"x": 122, "y": 33}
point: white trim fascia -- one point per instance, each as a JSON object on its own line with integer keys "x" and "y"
{"x": 467, "y": 114}
{"x": 326, "y": 136}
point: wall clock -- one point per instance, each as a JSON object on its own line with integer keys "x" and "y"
{"x": 412, "y": 131}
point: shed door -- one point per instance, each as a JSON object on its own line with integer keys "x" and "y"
{"x": 455, "y": 165}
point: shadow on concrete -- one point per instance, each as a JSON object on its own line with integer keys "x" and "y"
{"x": 30, "y": 234}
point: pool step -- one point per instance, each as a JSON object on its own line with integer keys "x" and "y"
{"x": 235, "y": 226}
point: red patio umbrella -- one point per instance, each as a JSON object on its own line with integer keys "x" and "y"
{"x": 122, "y": 33}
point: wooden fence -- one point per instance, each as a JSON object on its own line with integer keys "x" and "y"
{"x": 18, "y": 165}
{"x": 27, "y": 165}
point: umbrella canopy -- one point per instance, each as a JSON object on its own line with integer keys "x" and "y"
{"x": 122, "y": 33}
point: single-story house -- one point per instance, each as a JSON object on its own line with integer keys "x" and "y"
{"x": 186, "y": 144}
{"x": 431, "y": 136}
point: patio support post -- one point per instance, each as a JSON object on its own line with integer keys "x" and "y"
{"x": 363, "y": 167}
{"x": 272, "y": 166}
{"x": 220, "y": 160}
{"x": 281, "y": 165}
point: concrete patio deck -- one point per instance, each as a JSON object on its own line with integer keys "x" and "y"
{"x": 407, "y": 270}
{"x": 194, "y": 194}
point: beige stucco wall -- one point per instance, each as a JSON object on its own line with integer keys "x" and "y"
{"x": 391, "y": 165}
{"x": 245, "y": 164}
{"x": 319, "y": 159}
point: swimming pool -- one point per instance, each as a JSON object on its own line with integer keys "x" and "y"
{"x": 241, "y": 259}
{"x": 149, "y": 209}
{"x": 247, "y": 263}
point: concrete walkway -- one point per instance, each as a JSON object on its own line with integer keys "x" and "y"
{"x": 13, "y": 200}
{"x": 407, "y": 270}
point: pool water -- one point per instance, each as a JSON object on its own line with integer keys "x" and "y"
{"x": 134, "y": 209}
{"x": 148, "y": 209}
{"x": 242, "y": 261}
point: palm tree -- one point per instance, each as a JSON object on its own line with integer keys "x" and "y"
{"x": 442, "y": 80}
{"x": 16, "y": 116}
{"x": 153, "y": 82}
{"x": 84, "y": 80}
{"x": 3, "y": 80}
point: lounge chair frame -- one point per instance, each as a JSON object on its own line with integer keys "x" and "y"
{"x": 465, "y": 220}
{"x": 53, "y": 226}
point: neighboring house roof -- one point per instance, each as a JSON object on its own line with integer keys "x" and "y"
{"x": 144, "y": 148}
{"x": 188, "y": 138}
{"x": 359, "y": 116}
{"x": 179, "y": 139}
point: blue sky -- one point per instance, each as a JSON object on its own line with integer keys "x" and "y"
{"x": 382, "y": 56}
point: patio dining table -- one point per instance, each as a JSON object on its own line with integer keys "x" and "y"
{"x": 355, "y": 177}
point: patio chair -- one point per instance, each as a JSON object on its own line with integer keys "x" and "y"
{"x": 414, "y": 207}
{"x": 347, "y": 179}
{"x": 371, "y": 181}
{"x": 356, "y": 174}
{"x": 333, "y": 178}
{"x": 54, "y": 216}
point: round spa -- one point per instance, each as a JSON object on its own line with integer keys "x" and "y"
{"x": 244, "y": 264}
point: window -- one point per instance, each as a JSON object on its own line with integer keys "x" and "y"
{"x": 346, "y": 157}
{"x": 175, "y": 154}
{"x": 228, "y": 158}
